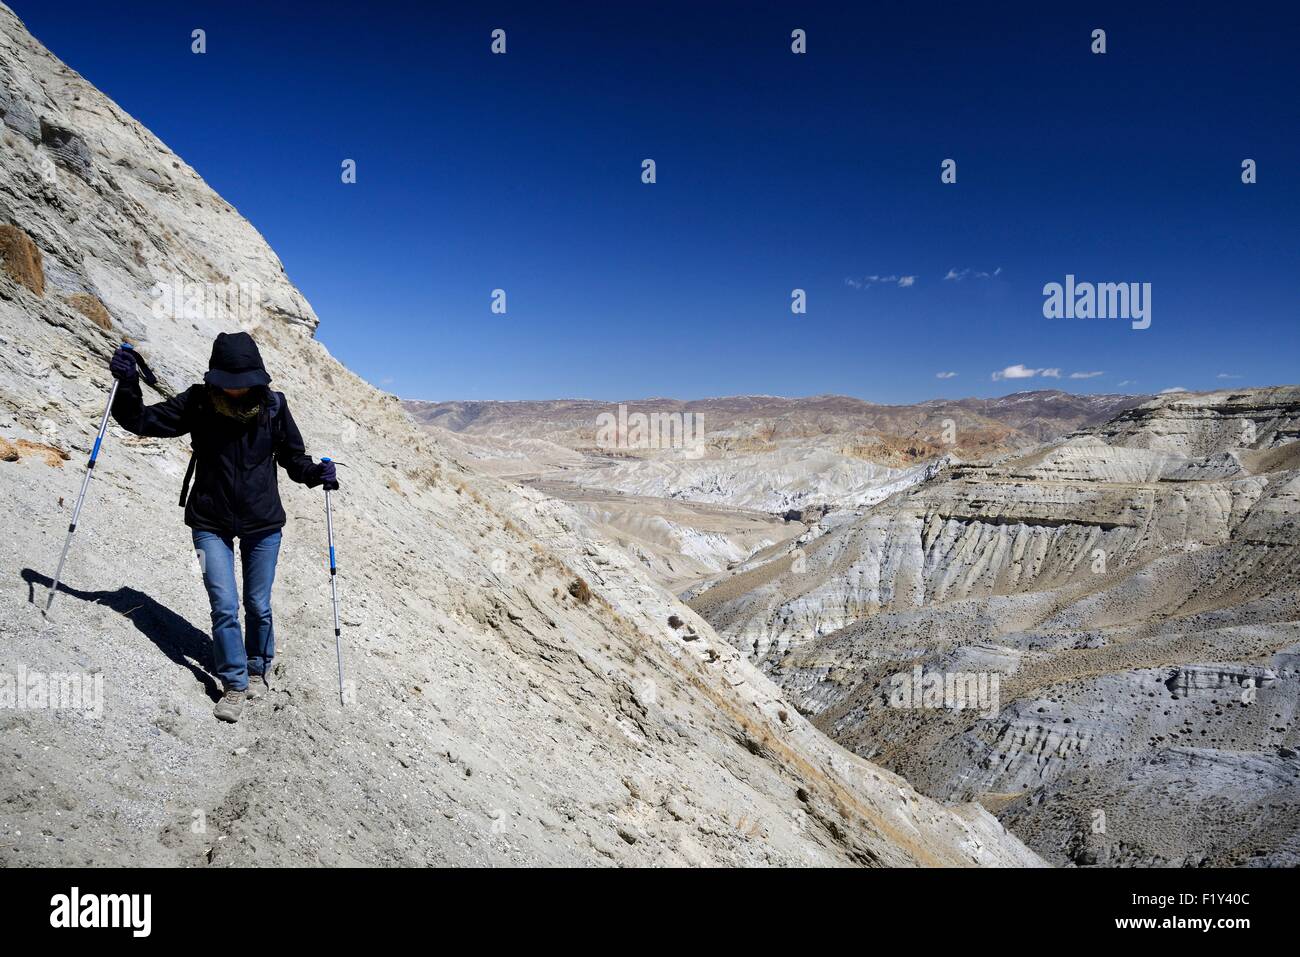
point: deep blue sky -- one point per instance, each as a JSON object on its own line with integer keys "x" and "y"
{"x": 775, "y": 171}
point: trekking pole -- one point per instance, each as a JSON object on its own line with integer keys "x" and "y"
{"x": 334, "y": 591}
{"x": 85, "y": 482}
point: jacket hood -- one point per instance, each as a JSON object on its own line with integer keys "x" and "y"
{"x": 235, "y": 362}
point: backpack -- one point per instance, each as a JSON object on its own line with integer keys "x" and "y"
{"x": 271, "y": 408}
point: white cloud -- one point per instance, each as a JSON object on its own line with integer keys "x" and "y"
{"x": 1019, "y": 371}
{"x": 1120, "y": 385}
{"x": 1172, "y": 389}
{"x": 945, "y": 375}
{"x": 1227, "y": 375}
{"x": 1085, "y": 375}
{"x": 957, "y": 275}
{"x": 1015, "y": 372}
{"x": 866, "y": 282}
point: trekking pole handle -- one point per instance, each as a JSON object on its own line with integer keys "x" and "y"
{"x": 329, "y": 521}
{"x": 145, "y": 372}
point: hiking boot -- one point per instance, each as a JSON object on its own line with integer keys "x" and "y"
{"x": 231, "y": 706}
{"x": 257, "y": 687}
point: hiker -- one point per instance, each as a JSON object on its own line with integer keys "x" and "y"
{"x": 240, "y": 429}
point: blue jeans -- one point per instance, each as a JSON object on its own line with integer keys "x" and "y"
{"x": 237, "y": 656}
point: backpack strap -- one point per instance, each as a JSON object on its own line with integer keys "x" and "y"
{"x": 274, "y": 403}
{"x": 189, "y": 469}
{"x": 185, "y": 486}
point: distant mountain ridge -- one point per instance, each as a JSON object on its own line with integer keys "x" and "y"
{"x": 895, "y": 435}
{"x": 1064, "y": 410}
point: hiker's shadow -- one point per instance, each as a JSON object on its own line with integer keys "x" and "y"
{"x": 175, "y": 637}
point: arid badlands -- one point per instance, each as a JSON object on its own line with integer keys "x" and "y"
{"x": 740, "y": 649}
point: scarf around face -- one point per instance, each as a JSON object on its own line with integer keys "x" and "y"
{"x": 241, "y": 410}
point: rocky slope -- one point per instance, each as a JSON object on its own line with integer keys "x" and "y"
{"x": 1135, "y": 591}
{"x": 501, "y": 712}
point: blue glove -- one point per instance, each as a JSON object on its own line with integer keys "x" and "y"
{"x": 328, "y": 476}
{"x": 123, "y": 365}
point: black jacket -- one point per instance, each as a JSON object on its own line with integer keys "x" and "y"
{"x": 235, "y": 482}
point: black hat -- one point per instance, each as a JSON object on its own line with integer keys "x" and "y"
{"x": 235, "y": 362}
